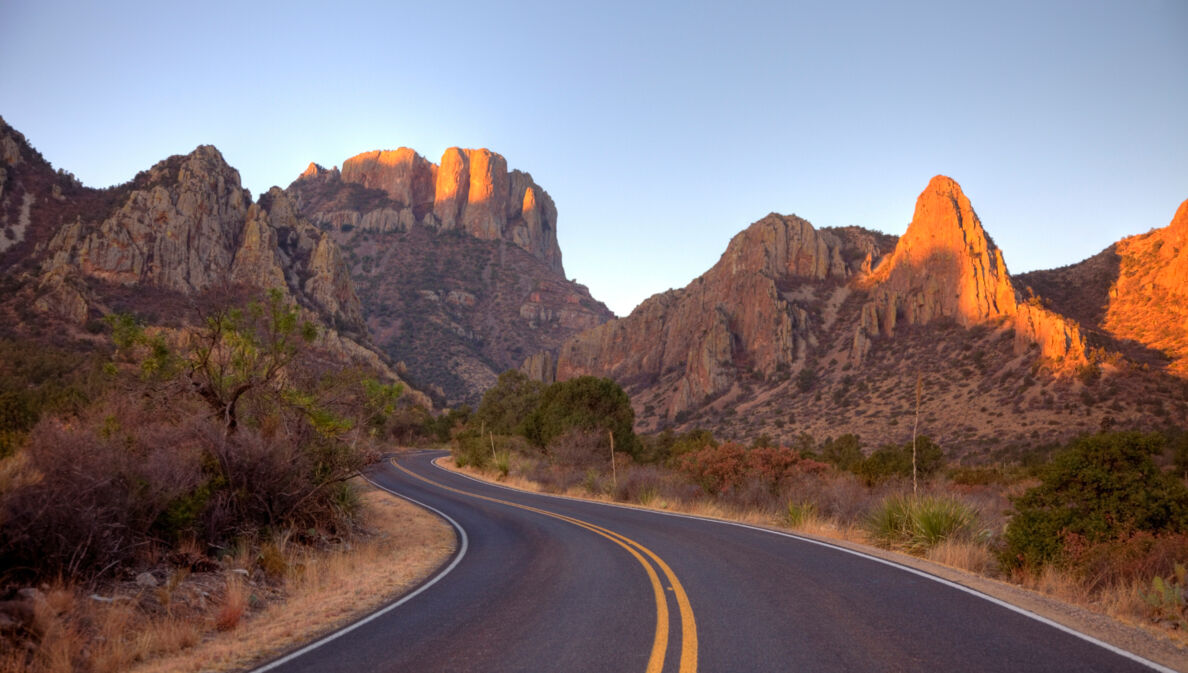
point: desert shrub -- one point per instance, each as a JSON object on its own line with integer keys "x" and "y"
{"x": 845, "y": 452}
{"x": 581, "y": 450}
{"x": 836, "y": 495}
{"x": 1168, "y": 598}
{"x": 243, "y": 432}
{"x": 1101, "y": 487}
{"x": 717, "y": 468}
{"x": 439, "y": 428}
{"x": 893, "y": 461}
{"x": 644, "y": 484}
{"x": 471, "y": 449}
{"x": 1136, "y": 556}
{"x": 667, "y": 447}
{"x": 985, "y": 475}
{"x": 101, "y": 493}
{"x": 918, "y": 524}
{"x": 725, "y": 468}
{"x": 799, "y": 512}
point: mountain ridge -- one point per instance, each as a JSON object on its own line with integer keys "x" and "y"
{"x": 800, "y": 331}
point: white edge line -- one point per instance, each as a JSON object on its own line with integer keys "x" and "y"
{"x": 960, "y": 587}
{"x": 462, "y": 546}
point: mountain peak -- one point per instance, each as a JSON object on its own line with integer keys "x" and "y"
{"x": 946, "y": 266}
{"x": 944, "y": 224}
{"x": 471, "y": 190}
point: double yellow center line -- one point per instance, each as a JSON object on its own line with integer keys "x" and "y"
{"x": 688, "y": 662}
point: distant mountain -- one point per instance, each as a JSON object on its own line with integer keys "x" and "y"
{"x": 825, "y": 331}
{"x": 178, "y": 238}
{"x": 456, "y": 264}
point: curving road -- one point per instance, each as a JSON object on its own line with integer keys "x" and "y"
{"x": 548, "y": 584}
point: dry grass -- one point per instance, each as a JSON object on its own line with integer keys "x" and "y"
{"x": 233, "y": 606}
{"x": 290, "y": 596}
{"x": 971, "y": 557}
{"x": 326, "y": 591}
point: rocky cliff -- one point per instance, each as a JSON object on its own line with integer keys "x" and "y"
{"x": 187, "y": 226}
{"x": 824, "y": 331}
{"x": 180, "y": 235}
{"x": 946, "y": 266}
{"x": 1131, "y": 297}
{"x": 456, "y": 265}
{"x": 761, "y": 307}
{"x": 471, "y": 191}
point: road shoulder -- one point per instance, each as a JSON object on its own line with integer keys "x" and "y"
{"x": 1131, "y": 638}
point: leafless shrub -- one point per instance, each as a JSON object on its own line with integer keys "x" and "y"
{"x": 581, "y": 449}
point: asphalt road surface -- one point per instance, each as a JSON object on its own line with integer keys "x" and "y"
{"x": 541, "y": 583}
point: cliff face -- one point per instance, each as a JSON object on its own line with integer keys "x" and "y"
{"x": 825, "y": 331}
{"x": 180, "y": 235}
{"x": 1132, "y": 296}
{"x": 471, "y": 191}
{"x": 946, "y": 266}
{"x": 456, "y": 264}
{"x": 758, "y": 309}
{"x": 187, "y": 226}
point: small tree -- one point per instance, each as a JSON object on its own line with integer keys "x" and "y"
{"x": 242, "y": 350}
{"x": 506, "y": 407}
{"x": 584, "y": 403}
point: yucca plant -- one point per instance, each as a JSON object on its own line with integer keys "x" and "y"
{"x": 918, "y": 524}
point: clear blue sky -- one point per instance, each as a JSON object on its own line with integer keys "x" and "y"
{"x": 659, "y": 130}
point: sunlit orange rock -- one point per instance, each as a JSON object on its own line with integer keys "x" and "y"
{"x": 452, "y": 188}
{"x": 946, "y": 266}
{"x": 406, "y": 176}
{"x": 1148, "y": 302}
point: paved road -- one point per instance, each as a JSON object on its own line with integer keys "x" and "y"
{"x": 548, "y": 584}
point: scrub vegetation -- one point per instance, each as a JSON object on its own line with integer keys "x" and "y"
{"x": 1101, "y": 521}
{"x": 212, "y": 462}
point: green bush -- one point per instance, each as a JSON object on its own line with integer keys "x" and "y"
{"x": 1101, "y": 487}
{"x": 472, "y": 449}
{"x": 585, "y": 403}
{"x": 845, "y": 452}
{"x": 918, "y": 524}
{"x": 506, "y": 407}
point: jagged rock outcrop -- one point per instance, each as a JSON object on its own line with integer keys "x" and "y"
{"x": 457, "y": 265}
{"x": 188, "y": 226}
{"x": 177, "y": 239}
{"x": 946, "y": 266}
{"x": 470, "y": 191}
{"x": 1148, "y": 301}
{"x": 178, "y": 230}
{"x": 752, "y": 311}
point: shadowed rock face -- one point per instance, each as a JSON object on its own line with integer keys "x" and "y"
{"x": 187, "y": 226}
{"x": 471, "y": 191}
{"x": 755, "y": 309}
{"x": 456, "y": 264}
